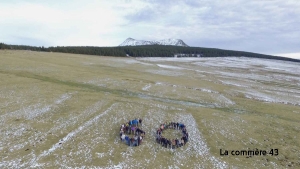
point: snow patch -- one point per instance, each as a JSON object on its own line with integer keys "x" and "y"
{"x": 232, "y": 83}
{"x": 165, "y": 72}
{"x": 225, "y": 101}
{"x": 196, "y": 142}
{"x": 36, "y": 110}
{"x": 146, "y": 88}
{"x": 162, "y": 59}
{"x": 72, "y": 134}
{"x": 168, "y": 66}
{"x": 133, "y": 61}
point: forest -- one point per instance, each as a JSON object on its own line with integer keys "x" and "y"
{"x": 146, "y": 51}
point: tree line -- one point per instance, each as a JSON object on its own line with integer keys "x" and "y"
{"x": 146, "y": 51}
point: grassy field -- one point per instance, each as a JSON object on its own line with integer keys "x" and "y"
{"x": 63, "y": 110}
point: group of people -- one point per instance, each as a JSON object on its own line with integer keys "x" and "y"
{"x": 132, "y": 127}
{"x": 172, "y": 143}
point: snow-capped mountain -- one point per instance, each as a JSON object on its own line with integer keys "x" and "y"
{"x": 134, "y": 42}
{"x": 174, "y": 42}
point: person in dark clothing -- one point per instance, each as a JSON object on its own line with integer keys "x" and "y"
{"x": 121, "y": 133}
{"x": 137, "y": 131}
{"x": 131, "y": 141}
{"x": 140, "y": 121}
{"x": 159, "y": 131}
{"x": 169, "y": 143}
{"x": 136, "y": 140}
{"x": 176, "y": 143}
{"x": 125, "y": 130}
{"x": 185, "y": 140}
{"x": 127, "y": 139}
{"x": 165, "y": 143}
{"x": 187, "y": 136}
{"x": 158, "y": 139}
{"x": 162, "y": 141}
{"x": 184, "y": 131}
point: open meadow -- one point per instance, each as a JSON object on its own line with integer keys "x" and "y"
{"x": 65, "y": 110}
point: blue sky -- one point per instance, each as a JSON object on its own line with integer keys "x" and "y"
{"x": 263, "y": 26}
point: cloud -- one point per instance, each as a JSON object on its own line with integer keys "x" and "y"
{"x": 256, "y": 26}
{"x": 147, "y": 14}
{"x": 83, "y": 25}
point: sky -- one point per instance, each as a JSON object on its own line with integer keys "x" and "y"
{"x": 262, "y": 26}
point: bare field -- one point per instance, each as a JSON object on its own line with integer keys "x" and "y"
{"x": 64, "y": 111}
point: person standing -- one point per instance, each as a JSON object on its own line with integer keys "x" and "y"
{"x": 187, "y": 136}
{"x": 138, "y": 140}
{"x": 135, "y": 140}
{"x": 173, "y": 144}
{"x": 141, "y": 139}
{"x": 123, "y": 137}
{"x": 177, "y": 142}
{"x": 121, "y": 133}
{"x": 182, "y": 142}
{"x": 127, "y": 140}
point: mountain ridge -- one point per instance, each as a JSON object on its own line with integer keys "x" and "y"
{"x": 172, "y": 42}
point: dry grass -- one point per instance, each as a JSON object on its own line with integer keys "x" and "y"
{"x": 64, "y": 110}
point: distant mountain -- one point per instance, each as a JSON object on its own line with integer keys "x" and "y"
{"x": 172, "y": 42}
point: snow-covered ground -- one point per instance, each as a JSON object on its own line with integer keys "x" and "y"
{"x": 241, "y": 73}
{"x": 289, "y": 55}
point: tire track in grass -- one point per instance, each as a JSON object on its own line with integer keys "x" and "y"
{"x": 58, "y": 125}
{"x": 74, "y": 119}
{"x": 118, "y": 92}
{"x": 34, "y": 163}
{"x": 197, "y": 144}
{"x": 10, "y": 131}
{"x": 36, "y": 110}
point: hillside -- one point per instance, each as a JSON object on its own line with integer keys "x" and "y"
{"x": 147, "y": 51}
